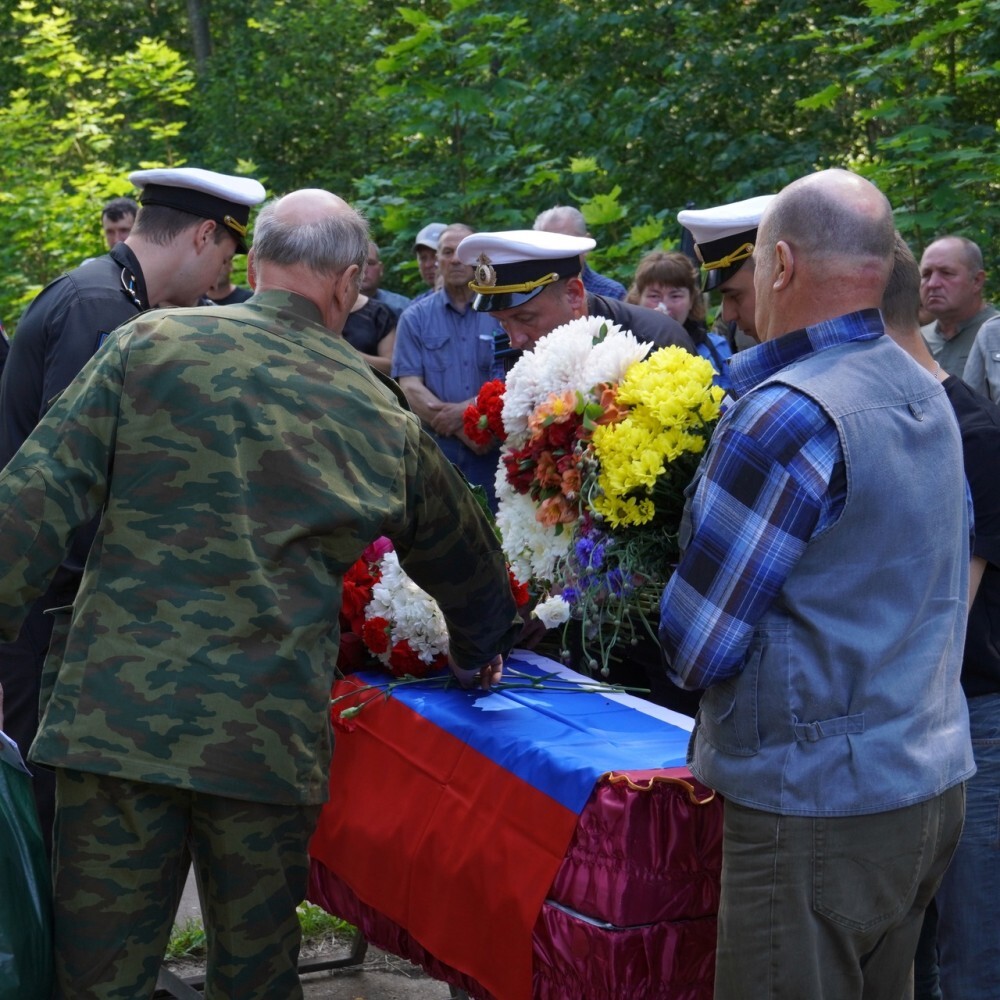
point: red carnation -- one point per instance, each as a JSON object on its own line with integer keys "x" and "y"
{"x": 520, "y": 465}
{"x": 357, "y": 592}
{"x": 403, "y": 660}
{"x": 476, "y": 427}
{"x": 375, "y": 633}
{"x": 482, "y": 421}
{"x": 519, "y": 590}
{"x": 562, "y": 435}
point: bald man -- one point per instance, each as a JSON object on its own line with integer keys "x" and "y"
{"x": 255, "y": 455}
{"x": 821, "y": 602}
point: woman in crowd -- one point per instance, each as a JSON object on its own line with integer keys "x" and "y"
{"x": 669, "y": 282}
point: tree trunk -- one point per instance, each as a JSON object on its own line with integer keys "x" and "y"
{"x": 200, "y": 35}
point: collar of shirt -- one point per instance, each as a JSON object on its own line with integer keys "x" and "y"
{"x": 289, "y": 302}
{"x": 750, "y": 367}
{"x": 977, "y": 321}
{"x": 132, "y": 279}
{"x": 448, "y": 303}
{"x": 600, "y": 284}
{"x": 933, "y": 329}
{"x": 297, "y": 319}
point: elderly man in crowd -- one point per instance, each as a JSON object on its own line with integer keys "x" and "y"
{"x": 425, "y": 246}
{"x": 242, "y": 458}
{"x": 444, "y": 352}
{"x": 570, "y": 222}
{"x": 951, "y": 290}
{"x": 821, "y": 601}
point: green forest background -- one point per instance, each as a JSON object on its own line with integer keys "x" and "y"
{"x": 488, "y": 112}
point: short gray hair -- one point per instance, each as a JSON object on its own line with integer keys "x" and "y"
{"x": 329, "y": 245}
{"x": 564, "y": 214}
{"x": 969, "y": 250}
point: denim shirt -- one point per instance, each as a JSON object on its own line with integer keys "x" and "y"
{"x": 452, "y": 351}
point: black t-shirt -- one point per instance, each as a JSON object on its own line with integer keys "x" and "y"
{"x": 648, "y": 325}
{"x": 979, "y": 423}
{"x": 366, "y": 326}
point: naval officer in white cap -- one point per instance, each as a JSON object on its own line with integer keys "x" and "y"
{"x": 724, "y": 238}
{"x": 190, "y": 222}
{"x": 530, "y": 281}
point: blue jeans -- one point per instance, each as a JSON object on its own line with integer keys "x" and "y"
{"x": 968, "y": 900}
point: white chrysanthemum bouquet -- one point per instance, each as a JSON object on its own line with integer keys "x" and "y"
{"x": 601, "y": 437}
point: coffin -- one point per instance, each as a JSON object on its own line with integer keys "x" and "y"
{"x": 537, "y": 842}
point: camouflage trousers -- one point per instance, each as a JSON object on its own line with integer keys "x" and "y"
{"x": 121, "y": 856}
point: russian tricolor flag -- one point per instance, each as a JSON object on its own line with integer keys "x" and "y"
{"x": 450, "y": 810}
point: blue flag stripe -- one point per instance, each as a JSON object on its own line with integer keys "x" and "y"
{"x": 559, "y": 741}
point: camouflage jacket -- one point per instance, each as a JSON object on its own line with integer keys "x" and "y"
{"x": 242, "y": 457}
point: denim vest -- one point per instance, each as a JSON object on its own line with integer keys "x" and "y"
{"x": 849, "y": 700}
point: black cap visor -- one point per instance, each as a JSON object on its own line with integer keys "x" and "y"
{"x": 503, "y": 300}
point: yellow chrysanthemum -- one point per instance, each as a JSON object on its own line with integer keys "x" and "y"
{"x": 625, "y": 512}
{"x": 671, "y": 400}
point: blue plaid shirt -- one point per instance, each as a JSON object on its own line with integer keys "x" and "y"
{"x": 776, "y": 478}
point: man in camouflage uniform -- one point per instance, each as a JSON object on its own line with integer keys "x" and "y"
{"x": 242, "y": 457}
{"x": 191, "y": 221}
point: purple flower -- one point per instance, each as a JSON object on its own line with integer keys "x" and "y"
{"x": 590, "y": 554}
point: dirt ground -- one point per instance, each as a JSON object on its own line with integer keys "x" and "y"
{"x": 380, "y": 976}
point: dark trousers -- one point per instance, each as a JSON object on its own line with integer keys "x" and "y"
{"x": 829, "y": 908}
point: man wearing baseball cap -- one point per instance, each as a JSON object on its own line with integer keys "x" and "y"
{"x": 190, "y": 222}
{"x": 425, "y": 246}
{"x": 530, "y": 281}
{"x": 724, "y": 238}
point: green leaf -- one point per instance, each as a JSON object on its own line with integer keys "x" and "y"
{"x": 825, "y": 98}
{"x": 582, "y": 165}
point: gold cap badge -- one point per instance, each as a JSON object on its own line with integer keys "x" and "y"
{"x": 486, "y": 276}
